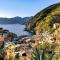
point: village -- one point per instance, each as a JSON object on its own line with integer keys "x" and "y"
{"x": 13, "y": 47}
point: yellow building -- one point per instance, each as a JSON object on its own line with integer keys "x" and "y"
{"x": 10, "y": 52}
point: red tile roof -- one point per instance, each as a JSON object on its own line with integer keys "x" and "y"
{"x": 1, "y": 39}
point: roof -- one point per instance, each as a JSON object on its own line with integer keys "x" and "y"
{"x": 1, "y": 39}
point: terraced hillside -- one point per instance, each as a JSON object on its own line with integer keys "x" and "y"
{"x": 45, "y": 19}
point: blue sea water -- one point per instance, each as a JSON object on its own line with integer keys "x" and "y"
{"x": 15, "y": 28}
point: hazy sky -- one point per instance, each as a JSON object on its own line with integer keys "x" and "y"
{"x": 23, "y": 8}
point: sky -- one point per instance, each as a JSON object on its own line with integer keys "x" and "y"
{"x": 23, "y": 8}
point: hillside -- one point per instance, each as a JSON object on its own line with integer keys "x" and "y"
{"x": 45, "y": 19}
{"x": 14, "y": 20}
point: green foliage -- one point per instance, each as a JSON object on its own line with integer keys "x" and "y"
{"x": 45, "y": 19}
{"x": 36, "y": 55}
{"x": 45, "y": 51}
{"x": 17, "y": 56}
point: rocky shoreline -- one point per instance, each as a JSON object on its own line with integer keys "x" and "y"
{"x": 14, "y": 47}
{"x": 24, "y": 48}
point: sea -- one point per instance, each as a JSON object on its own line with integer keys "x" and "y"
{"x": 15, "y": 28}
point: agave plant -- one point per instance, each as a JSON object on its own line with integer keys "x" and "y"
{"x": 43, "y": 53}
{"x": 36, "y": 55}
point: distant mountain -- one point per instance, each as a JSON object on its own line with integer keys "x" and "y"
{"x": 15, "y": 20}
{"x": 45, "y": 19}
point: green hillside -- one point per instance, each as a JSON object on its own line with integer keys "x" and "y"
{"x": 45, "y": 19}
